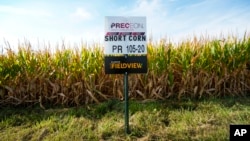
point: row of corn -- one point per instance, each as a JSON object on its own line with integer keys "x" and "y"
{"x": 195, "y": 68}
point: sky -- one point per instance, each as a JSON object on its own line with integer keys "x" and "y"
{"x": 76, "y": 21}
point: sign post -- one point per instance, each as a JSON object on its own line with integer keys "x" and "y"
{"x": 126, "y": 103}
{"x": 125, "y": 51}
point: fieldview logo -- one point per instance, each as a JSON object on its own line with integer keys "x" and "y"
{"x": 239, "y": 132}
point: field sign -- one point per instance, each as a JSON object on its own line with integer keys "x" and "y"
{"x": 125, "y": 35}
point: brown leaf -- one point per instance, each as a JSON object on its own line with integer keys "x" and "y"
{"x": 92, "y": 96}
{"x": 141, "y": 94}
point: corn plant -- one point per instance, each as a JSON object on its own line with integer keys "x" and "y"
{"x": 195, "y": 68}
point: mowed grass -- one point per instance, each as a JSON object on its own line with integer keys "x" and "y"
{"x": 204, "y": 119}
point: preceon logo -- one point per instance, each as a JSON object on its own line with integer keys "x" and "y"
{"x": 126, "y": 25}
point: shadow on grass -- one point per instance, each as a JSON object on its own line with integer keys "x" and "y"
{"x": 16, "y": 116}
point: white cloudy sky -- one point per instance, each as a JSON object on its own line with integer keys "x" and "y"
{"x": 83, "y": 20}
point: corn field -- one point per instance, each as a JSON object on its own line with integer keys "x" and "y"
{"x": 195, "y": 68}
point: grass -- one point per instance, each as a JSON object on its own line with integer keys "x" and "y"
{"x": 204, "y": 119}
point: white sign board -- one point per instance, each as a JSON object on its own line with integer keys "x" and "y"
{"x": 125, "y": 35}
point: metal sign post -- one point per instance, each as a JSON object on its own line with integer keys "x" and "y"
{"x": 127, "y": 131}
